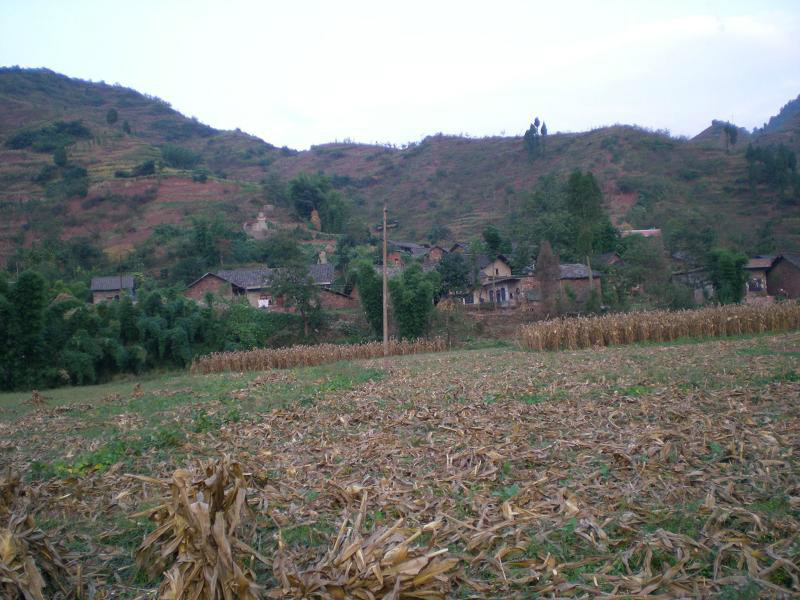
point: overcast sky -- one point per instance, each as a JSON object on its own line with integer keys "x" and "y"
{"x": 299, "y": 72}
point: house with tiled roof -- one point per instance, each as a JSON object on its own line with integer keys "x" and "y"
{"x": 112, "y": 287}
{"x": 253, "y": 284}
{"x": 783, "y": 276}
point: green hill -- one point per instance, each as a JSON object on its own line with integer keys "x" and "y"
{"x": 648, "y": 178}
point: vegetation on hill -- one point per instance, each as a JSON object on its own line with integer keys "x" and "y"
{"x": 98, "y": 179}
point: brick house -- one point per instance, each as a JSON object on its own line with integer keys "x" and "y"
{"x": 253, "y": 284}
{"x": 783, "y": 277}
{"x": 112, "y": 288}
{"x": 497, "y": 284}
{"x": 757, "y": 269}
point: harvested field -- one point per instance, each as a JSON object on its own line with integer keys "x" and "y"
{"x": 659, "y": 326}
{"x": 659, "y": 471}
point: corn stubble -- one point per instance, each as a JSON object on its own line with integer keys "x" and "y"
{"x": 261, "y": 359}
{"x": 30, "y": 565}
{"x": 382, "y": 565}
{"x": 659, "y": 326}
{"x": 196, "y": 544}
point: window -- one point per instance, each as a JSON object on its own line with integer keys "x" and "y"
{"x": 263, "y": 301}
{"x": 497, "y": 271}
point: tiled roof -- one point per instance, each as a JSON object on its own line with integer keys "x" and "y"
{"x": 321, "y": 274}
{"x": 258, "y": 277}
{"x": 576, "y": 271}
{"x": 246, "y": 278}
{"x": 412, "y": 248}
{"x": 761, "y": 262}
{"x": 792, "y": 258}
{"x": 114, "y": 282}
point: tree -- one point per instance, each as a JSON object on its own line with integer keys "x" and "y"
{"x": 727, "y": 274}
{"x": 454, "y": 273}
{"x": 315, "y": 192}
{"x": 731, "y": 135}
{"x": 493, "y": 240}
{"x": 112, "y": 116}
{"x": 27, "y": 328}
{"x": 531, "y": 139}
{"x": 126, "y": 127}
{"x": 297, "y": 289}
{"x": 60, "y": 156}
{"x": 412, "y": 301}
{"x": 370, "y": 291}
{"x": 544, "y": 136}
{"x": 548, "y": 272}
{"x": 584, "y": 203}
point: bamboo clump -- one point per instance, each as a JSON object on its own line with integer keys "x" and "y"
{"x": 260, "y": 359}
{"x": 659, "y": 326}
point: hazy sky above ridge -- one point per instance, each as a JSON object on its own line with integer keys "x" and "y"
{"x": 308, "y": 72}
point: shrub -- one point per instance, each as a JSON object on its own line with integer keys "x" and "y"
{"x": 179, "y": 157}
{"x": 112, "y": 116}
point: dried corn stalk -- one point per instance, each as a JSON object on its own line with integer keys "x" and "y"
{"x": 195, "y": 544}
{"x": 285, "y": 358}
{"x": 659, "y": 326}
{"x": 30, "y": 566}
{"x": 382, "y": 565}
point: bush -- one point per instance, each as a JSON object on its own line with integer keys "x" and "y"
{"x": 112, "y": 116}
{"x": 179, "y": 157}
{"x": 51, "y": 137}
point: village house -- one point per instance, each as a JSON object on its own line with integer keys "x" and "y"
{"x": 757, "y": 269}
{"x": 498, "y": 285}
{"x": 112, "y": 288}
{"x": 253, "y": 284}
{"x": 783, "y": 276}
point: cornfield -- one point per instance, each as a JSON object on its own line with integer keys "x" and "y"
{"x": 659, "y": 326}
{"x": 305, "y": 356}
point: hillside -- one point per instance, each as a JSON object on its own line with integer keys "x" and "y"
{"x": 649, "y": 179}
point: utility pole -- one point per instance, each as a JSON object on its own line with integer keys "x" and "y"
{"x": 385, "y": 294}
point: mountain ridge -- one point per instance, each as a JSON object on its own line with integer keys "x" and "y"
{"x": 648, "y": 178}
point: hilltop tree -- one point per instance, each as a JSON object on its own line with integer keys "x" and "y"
{"x": 548, "y": 272}
{"x": 584, "y": 203}
{"x": 731, "y": 135}
{"x": 544, "y": 135}
{"x": 531, "y": 139}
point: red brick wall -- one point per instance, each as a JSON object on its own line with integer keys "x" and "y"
{"x": 209, "y": 283}
{"x": 784, "y": 279}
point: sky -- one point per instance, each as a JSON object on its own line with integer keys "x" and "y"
{"x": 303, "y": 72}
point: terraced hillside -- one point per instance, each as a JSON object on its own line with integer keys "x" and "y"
{"x": 649, "y": 179}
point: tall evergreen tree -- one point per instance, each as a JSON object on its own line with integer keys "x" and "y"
{"x": 370, "y": 291}
{"x": 584, "y": 203}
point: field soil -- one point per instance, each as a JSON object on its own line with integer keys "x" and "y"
{"x": 663, "y": 470}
